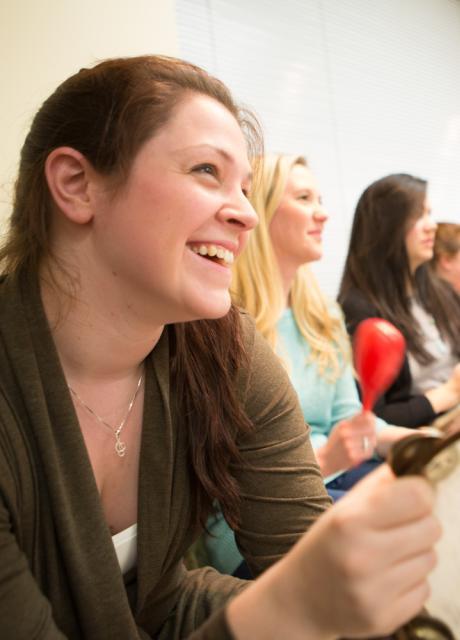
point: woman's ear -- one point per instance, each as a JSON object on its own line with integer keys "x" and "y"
{"x": 68, "y": 175}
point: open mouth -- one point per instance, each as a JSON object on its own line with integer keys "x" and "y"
{"x": 215, "y": 253}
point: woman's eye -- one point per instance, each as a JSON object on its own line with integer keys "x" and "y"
{"x": 310, "y": 197}
{"x": 206, "y": 168}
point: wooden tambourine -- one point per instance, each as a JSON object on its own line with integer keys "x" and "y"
{"x": 438, "y": 459}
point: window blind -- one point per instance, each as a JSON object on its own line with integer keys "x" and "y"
{"x": 363, "y": 88}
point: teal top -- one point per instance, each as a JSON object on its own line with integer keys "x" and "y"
{"x": 324, "y": 403}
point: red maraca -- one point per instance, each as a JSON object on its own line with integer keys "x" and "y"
{"x": 379, "y": 351}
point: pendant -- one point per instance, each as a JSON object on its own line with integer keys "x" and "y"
{"x": 120, "y": 447}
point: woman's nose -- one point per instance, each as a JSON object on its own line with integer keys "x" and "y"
{"x": 321, "y": 213}
{"x": 240, "y": 212}
{"x": 430, "y": 224}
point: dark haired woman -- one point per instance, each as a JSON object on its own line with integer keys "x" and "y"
{"x": 132, "y": 395}
{"x": 387, "y": 275}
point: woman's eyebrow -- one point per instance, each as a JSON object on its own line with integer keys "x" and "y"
{"x": 219, "y": 150}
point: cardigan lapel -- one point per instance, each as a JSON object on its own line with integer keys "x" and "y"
{"x": 155, "y": 473}
{"x": 39, "y": 391}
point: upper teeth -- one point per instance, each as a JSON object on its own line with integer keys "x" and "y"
{"x": 214, "y": 250}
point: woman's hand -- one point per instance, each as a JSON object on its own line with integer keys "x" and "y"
{"x": 350, "y": 442}
{"x": 360, "y": 571}
{"x": 447, "y": 395}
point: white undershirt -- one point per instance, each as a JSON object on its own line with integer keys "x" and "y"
{"x": 429, "y": 376}
{"x": 125, "y": 543}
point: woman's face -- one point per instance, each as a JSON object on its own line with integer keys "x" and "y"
{"x": 420, "y": 238}
{"x": 167, "y": 239}
{"x": 297, "y": 225}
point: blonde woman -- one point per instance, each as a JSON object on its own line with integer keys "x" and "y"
{"x": 273, "y": 282}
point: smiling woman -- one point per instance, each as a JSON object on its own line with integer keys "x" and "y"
{"x": 302, "y": 325}
{"x": 172, "y": 201}
{"x": 133, "y": 395}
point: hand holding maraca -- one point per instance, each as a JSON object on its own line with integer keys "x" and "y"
{"x": 379, "y": 351}
{"x": 351, "y": 441}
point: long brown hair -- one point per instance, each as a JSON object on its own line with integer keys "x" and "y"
{"x": 378, "y": 266}
{"x": 107, "y": 113}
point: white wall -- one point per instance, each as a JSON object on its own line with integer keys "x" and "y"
{"x": 363, "y": 88}
{"x": 43, "y": 42}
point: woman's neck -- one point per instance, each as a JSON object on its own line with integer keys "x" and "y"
{"x": 287, "y": 276}
{"x": 410, "y": 289}
{"x": 95, "y": 342}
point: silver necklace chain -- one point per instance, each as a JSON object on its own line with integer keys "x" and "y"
{"x": 120, "y": 446}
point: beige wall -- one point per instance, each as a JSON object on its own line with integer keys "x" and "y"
{"x": 43, "y": 42}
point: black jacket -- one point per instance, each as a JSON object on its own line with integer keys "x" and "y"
{"x": 397, "y": 405}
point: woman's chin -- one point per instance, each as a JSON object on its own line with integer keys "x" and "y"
{"x": 215, "y": 306}
{"x": 313, "y": 256}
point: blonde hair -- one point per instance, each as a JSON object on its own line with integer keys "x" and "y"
{"x": 257, "y": 284}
